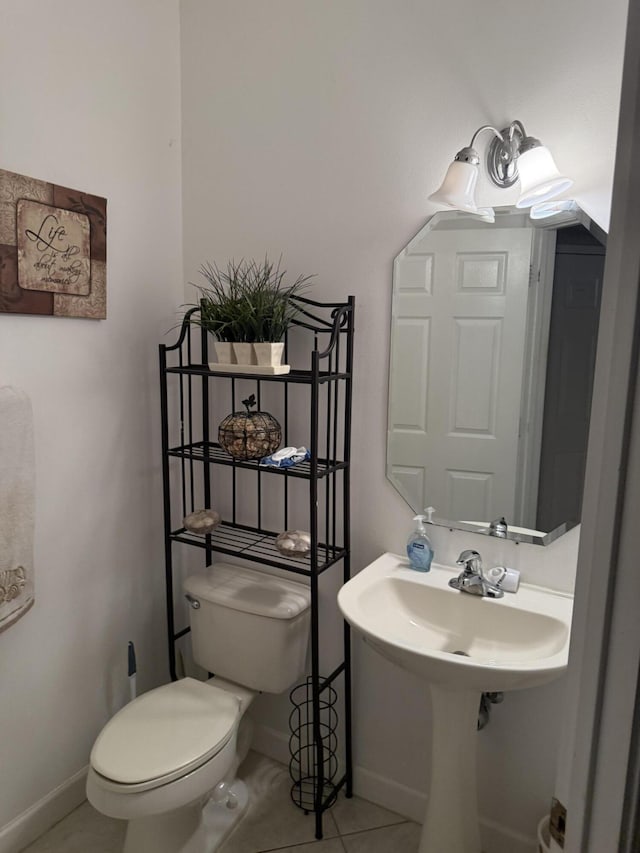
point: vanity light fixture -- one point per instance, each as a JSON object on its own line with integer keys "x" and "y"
{"x": 512, "y": 155}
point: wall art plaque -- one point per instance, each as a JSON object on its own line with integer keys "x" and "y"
{"x": 53, "y": 249}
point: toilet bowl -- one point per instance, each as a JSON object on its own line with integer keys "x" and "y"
{"x": 157, "y": 761}
{"x": 164, "y": 749}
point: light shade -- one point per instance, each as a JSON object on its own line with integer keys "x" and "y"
{"x": 539, "y": 177}
{"x": 458, "y": 188}
{"x": 552, "y": 208}
{"x": 486, "y": 214}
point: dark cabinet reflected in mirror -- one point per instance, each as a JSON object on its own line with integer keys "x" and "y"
{"x": 571, "y": 356}
{"x": 493, "y": 344}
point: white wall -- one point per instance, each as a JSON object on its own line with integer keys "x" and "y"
{"x": 318, "y": 130}
{"x": 89, "y": 98}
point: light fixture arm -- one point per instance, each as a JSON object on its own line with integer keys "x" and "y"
{"x": 469, "y": 153}
{"x": 502, "y": 153}
{"x": 483, "y": 128}
{"x": 510, "y": 151}
{"x": 517, "y": 125}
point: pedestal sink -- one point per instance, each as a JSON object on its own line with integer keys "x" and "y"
{"x": 417, "y": 621}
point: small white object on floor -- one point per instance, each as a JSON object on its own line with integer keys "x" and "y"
{"x": 221, "y": 817}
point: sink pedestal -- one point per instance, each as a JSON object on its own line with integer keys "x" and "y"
{"x": 451, "y": 821}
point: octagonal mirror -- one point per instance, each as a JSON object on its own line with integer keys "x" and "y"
{"x": 493, "y": 341}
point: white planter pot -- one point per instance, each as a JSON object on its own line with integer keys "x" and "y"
{"x": 244, "y": 353}
{"x": 269, "y": 354}
{"x": 224, "y": 352}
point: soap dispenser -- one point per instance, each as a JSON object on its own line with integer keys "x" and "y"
{"x": 419, "y": 548}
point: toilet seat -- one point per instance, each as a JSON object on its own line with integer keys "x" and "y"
{"x": 164, "y": 735}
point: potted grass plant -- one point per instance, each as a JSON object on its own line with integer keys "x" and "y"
{"x": 273, "y": 308}
{"x": 248, "y": 307}
{"x": 224, "y": 312}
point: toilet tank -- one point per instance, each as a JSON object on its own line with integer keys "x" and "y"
{"x": 249, "y": 627}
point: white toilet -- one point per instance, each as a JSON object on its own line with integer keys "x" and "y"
{"x": 158, "y": 760}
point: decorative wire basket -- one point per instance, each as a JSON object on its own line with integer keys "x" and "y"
{"x": 303, "y": 766}
{"x": 249, "y": 435}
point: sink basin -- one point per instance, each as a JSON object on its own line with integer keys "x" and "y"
{"x": 462, "y": 645}
{"x": 416, "y": 620}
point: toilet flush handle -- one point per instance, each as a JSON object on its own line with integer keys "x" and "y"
{"x": 192, "y": 601}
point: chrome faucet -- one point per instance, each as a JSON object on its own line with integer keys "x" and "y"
{"x": 499, "y": 527}
{"x": 472, "y": 579}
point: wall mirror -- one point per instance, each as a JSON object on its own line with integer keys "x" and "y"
{"x": 493, "y": 342}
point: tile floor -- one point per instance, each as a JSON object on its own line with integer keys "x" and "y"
{"x": 272, "y": 824}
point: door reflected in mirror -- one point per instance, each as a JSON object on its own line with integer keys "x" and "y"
{"x": 493, "y": 343}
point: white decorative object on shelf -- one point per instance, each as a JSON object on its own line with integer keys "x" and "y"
{"x": 269, "y": 354}
{"x": 224, "y": 352}
{"x": 263, "y": 369}
{"x": 294, "y": 543}
{"x": 202, "y": 521}
{"x": 244, "y": 353}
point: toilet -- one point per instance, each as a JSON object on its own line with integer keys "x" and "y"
{"x": 166, "y": 762}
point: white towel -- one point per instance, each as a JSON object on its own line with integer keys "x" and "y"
{"x": 17, "y": 503}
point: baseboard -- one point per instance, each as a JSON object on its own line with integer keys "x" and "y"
{"x": 40, "y": 817}
{"x": 389, "y": 794}
{"x": 270, "y": 742}
{"x": 394, "y": 796}
{"x": 498, "y": 839}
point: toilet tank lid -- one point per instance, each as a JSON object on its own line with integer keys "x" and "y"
{"x": 250, "y": 591}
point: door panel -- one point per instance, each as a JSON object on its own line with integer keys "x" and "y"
{"x": 458, "y": 310}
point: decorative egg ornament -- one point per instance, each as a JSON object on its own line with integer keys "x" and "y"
{"x": 249, "y": 435}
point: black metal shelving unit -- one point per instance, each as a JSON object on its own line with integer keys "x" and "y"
{"x": 198, "y": 473}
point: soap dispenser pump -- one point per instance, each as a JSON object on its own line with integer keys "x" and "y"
{"x": 419, "y": 550}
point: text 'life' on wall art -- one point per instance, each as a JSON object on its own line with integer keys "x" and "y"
{"x": 53, "y": 249}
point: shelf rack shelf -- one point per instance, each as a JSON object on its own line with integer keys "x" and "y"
{"x": 258, "y": 502}
{"x": 259, "y": 546}
{"x": 212, "y": 453}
